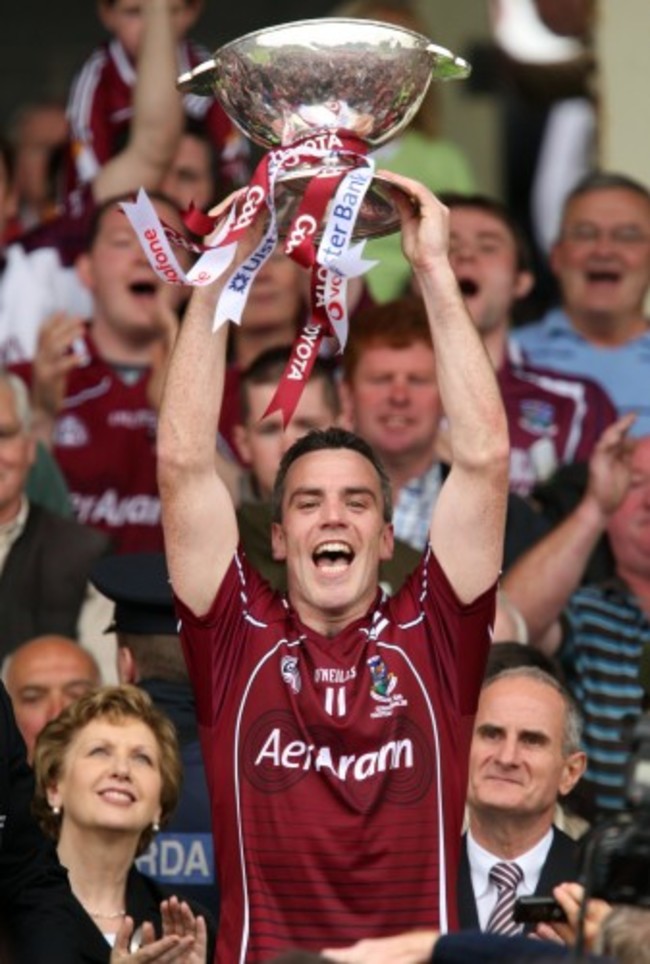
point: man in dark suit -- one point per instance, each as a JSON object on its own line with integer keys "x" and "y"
{"x": 525, "y": 755}
{"x": 36, "y": 916}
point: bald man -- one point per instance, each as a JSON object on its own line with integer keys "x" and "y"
{"x": 42, "y": 677}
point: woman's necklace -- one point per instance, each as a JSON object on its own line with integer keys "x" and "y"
{"x": 113, "y": 916}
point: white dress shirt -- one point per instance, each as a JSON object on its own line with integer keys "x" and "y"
{"x": 481, "y": 862}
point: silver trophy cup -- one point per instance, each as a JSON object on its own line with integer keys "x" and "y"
{"x": 311, "y": 77}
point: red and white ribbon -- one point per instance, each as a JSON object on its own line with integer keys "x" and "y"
{"x": 336, "y": 260}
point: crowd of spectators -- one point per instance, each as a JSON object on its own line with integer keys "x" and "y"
{"x": 342, "y": 689}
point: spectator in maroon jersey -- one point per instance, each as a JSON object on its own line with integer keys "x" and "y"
{"x": 39, "y": 276}
{"x": 554, "y": 419}
{"x": 90, "y": 384}
{"x": 100, "y": 107}
{"x": 329, "y": 716}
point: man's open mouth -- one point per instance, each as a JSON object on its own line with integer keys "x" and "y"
{"x": 468, "y": 287}
{"x": 601, "y": 276}
{"x": 330, "y": 555}
{"x": 143, "y": 289}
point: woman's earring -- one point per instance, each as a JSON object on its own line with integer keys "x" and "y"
{"x": 56, "y": 811}
{"x": 155, "y": 826}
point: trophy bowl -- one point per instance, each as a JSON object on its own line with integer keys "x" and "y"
{"x": 363, "y": 77}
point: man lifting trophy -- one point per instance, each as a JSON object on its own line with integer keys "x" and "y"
{"x": 335, "y": 719}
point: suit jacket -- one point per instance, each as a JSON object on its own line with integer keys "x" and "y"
{"x": 44, "y": 578}
{"x": 561, "y": 864}
{"x": 36, "y": 905}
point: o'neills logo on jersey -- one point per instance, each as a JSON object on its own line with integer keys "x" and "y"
{"x": 109, "y": 509}
{"x": 302, "y": 353}
{"x": 163, "y": 264}
{"x": 298, "y": 755}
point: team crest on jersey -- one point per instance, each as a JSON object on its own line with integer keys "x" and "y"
{"x": 290, "y": 673}
{"x": 71, "y": 432}
{"x": 383, "y": 688}
{"x": 537, "y": 417}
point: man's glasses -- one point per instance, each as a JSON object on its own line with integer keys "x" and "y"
{"x": 624, "y": 236}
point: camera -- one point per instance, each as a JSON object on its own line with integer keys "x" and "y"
{"x": 617, "y": 864}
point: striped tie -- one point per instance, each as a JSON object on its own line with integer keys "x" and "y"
{"x": 506, "y": 877}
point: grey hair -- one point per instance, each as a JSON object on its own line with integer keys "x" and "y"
{"x": 625, "y": 935}
{"x": 20, "y": 396}
{"x": 572, "y": 739}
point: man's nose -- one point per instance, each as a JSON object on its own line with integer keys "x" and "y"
{"x": 508, "y": 752}
{"x": 55, "y": 704}
{"x": 332, "y": 512}
{"x": 399, "y": 391}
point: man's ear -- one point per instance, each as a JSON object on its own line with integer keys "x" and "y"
{"x": 126, "y": 668}
{"x": 240, "y": 435}
{"x": 278, "y": 544}
{"x": 387, "y": 545}
{"x": 523, "y": 284}
{"x": 554, "y": 257}
{"x": 83, "y": 267}
{"x": 574, "y": 766}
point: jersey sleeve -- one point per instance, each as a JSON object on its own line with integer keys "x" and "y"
{"x": 213, "y": 644}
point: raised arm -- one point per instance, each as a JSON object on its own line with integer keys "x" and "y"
{"x": 157, "y": 113}
{"x": 468, "y": 523}
{"x": 199, "y": 519}
{"x": 541, "y": 581}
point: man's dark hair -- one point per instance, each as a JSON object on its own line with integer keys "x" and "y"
{"x": 157, "y": 656}
{"x": 604, "y": 181}
{"x": 321, "y": 440}
{"x": 498, "y": 210}
{"x": 267, "y": 368}
{"x": 510, "y": 655}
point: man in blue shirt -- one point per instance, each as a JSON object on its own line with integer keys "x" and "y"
{"x": 602, "y": 263}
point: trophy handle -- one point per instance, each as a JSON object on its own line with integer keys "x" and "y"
{"x": 199, "y": 80}
{"x": 445, "y": 65}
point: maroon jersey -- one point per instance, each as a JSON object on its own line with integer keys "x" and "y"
{"x": 100, "y": 110}
{"x": 104, "y": 442}
{"x": 553, "y": 420}
{"x": 337, "y": 766}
